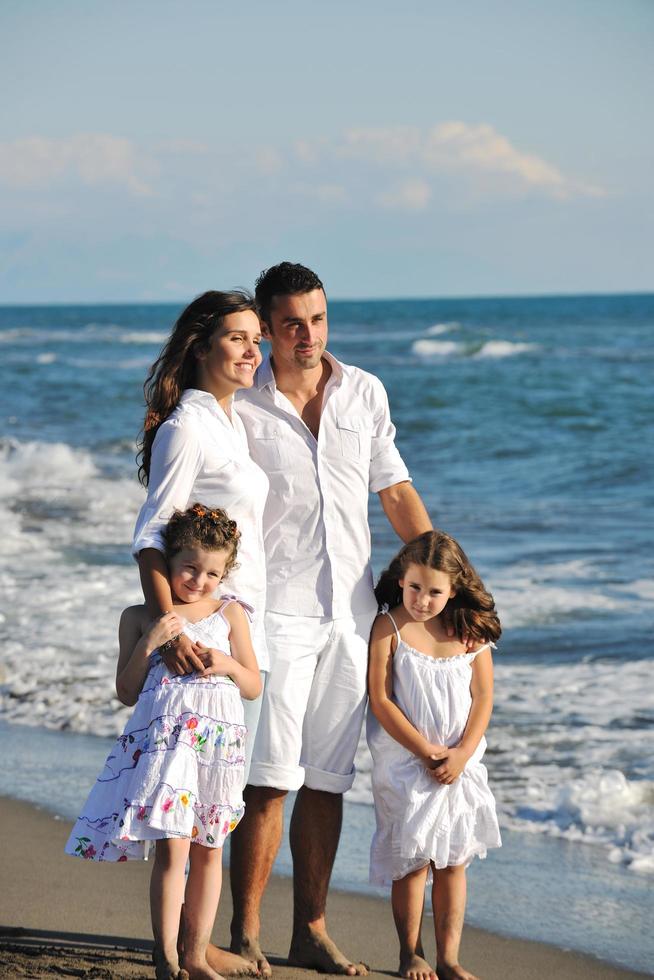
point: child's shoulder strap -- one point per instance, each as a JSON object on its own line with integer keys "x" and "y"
{"x": 386, "y": 612}
{"x": 228, "y": 599}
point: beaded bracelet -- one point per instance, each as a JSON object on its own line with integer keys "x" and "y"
{"x": 169, "y": 644}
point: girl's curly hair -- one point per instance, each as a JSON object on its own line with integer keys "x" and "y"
{"x": 471, "y": 610}
{"x": 208, "y": 528}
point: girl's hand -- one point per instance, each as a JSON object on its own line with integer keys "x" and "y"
{"x": 435, "y": 756}
{"x": 163, "y": 629}
{"x": 452, "y": 767}
{"x": 214, "y": 661}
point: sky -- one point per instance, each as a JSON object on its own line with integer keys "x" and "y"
{"x": 152, "y": 150}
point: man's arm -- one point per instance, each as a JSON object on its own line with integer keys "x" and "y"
{"x": 405, "y": 510}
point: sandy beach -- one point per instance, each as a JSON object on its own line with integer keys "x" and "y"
{"x": 63, "y": 917}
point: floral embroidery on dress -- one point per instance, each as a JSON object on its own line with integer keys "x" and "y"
{"x": 85, "y": 848}
{"x": 176, "y": 770}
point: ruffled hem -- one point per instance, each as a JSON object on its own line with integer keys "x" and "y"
{"x": 176, "y": 774}
{"x": 127, "y": 836}
{"x": 457, "y": 824}
{"x": 387, "y": 875}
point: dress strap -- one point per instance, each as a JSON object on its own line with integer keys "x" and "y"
{"x": 385, "y": 611}
{"x": 229, "y": 598}
{"x": 489, "y": 643}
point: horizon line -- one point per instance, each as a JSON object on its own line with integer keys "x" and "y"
{"x": 586, "y": 294}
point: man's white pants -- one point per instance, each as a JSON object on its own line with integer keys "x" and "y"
{"x": 313, "y": 703}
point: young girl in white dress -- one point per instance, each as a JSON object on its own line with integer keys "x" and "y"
{"x": 175, "y": 775}
{"x": 431, "y": 699}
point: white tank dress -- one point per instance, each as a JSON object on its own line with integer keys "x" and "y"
{"x": 420, "y": 821}
{"x": 177, "y": 769}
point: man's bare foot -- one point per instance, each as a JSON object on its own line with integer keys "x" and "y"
{"x": 230, "y": 964}
{"x": 414, "y": 967}
{"x": 454, "y": 971}
{"x": 250, "y": 950}
{"x": 316, "y": 951}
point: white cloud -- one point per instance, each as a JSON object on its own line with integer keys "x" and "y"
{"x": 453, "y": 148}
{"x": 91, "y": 158}
{"x": 268, "y": 160}
{"x": 410, "y": 195}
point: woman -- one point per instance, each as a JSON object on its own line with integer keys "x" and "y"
{"x": 194, "y": 448}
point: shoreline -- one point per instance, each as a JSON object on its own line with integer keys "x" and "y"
{"x": 59, "y": 913}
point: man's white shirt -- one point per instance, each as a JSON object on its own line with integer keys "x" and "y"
{"x": 315, "y": 522}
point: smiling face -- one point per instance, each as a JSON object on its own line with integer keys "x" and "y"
{"x": 425, "y": 592}
{"x": 196, "y": 574}
{"x": 233, "y": 355}
{"x": 298, "y": 329}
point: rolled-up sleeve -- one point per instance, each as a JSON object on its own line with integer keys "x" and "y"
{"x": 176, "y": 462}
{"x": 386, "y": 465}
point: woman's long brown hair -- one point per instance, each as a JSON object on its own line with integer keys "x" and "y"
{"x": 175, "y": 368}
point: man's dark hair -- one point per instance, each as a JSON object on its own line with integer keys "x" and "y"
{"x": 285, "y": 279}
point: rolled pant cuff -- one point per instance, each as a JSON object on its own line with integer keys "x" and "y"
{"x": 275, "y": 777}
{"x": 328, "y": 782}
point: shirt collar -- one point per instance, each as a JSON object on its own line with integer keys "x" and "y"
{"x": 195, "y": 396}
{"x": 265, "y": 377}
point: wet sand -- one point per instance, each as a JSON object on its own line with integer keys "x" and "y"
{"x": 60, "y": 916}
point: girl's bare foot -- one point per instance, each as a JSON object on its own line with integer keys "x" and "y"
{"x": 314, "y": 950}
{"x": 250, "y": 950}
{"x": 199, "y": 970}
{"x": 414, "y": 967}
{"x": 165, "y": 967}
{"x": 454, "y": 971}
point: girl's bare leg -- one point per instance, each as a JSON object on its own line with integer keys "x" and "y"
{"x": 407, "y": 899}
{"x": 166, "y": 898}
{"x": 200, "y": 905}
{"x": 449, "y": 904}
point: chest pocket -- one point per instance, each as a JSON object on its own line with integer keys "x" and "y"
{"x": 353, "y": 436}
{"x": 266, "y": 441}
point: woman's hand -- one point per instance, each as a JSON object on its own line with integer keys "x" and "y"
{"x": 181, "y": 658}
{"x": 162, "y": 629}
{"x": 214, "y": 661}
{"x": 452, "y": 767}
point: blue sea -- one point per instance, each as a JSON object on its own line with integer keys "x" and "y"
{"x": 527, "y": 426}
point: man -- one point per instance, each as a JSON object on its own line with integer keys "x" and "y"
{"x": 322, "y": 432}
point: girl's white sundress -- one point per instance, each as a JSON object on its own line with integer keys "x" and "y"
{"x": 419, "y": 820}
{"x": 177, "y": 769}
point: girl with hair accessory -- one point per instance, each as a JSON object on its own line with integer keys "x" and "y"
{"x": 431, "y": 699}
{"x": 193, "y": 447}
{"x": 175, "y": 775}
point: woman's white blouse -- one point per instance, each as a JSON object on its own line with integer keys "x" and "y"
{"x": 199, "y": 454}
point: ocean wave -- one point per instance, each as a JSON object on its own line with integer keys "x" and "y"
{"x": 428, "y": 348}
{"x": 437, "y": 348}
{"x": 145, "y": 337}
{"x": 53, "y": 496}
{"x": 89, "y": 333}
{"x": 504, "y": 348}
{"x": 440, "y": 328}
{"x": 531, "y": 594}
{"x": 600, "y": 807}
{"x": 60, "y": 608}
